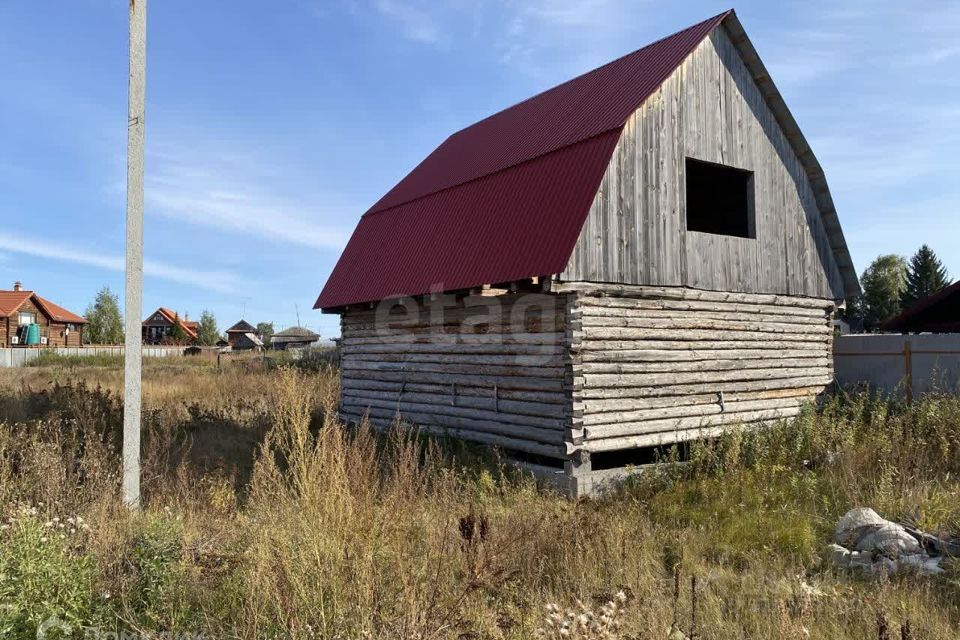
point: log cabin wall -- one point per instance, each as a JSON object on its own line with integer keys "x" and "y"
{"x": 492, "y": 369}
{"x": 658, "y": 365}
{"x": 710, "y": 109}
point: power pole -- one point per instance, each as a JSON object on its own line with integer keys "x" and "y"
{"x": 133, "y": 298}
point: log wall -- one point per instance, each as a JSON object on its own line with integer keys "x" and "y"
{"x": 657, "y": 365}
{"x": 492, "y": 369}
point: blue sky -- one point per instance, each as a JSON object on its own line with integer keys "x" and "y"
{"x": 273, "y": 124}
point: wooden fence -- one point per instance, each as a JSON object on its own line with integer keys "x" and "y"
{"x": 907, "y": 364}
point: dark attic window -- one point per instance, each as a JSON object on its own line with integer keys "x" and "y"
{"x": 719, "y": 199}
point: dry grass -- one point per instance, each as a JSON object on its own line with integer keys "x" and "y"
{"x": 264, "y": 518}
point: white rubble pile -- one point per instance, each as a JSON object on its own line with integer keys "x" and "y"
{"x": 867, "y": 542}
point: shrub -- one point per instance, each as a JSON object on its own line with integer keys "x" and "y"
{"x": 44, "y": 574}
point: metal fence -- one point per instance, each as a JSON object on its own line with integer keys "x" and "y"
{"x": 905, "y": 364}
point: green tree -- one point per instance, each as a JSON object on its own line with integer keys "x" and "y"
{"x": 104, "y": 322}
{"x": 265, "y": 331}
{"x": 177, "y": 334}
{"x": 207, "y": 332}
{"x": 883, "y": 283}
{"x": 925, "y": 276}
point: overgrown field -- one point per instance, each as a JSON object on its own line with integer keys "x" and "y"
{"x": 264, "y": 518}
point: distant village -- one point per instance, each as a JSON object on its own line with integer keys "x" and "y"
{"x": 29, "y": 320}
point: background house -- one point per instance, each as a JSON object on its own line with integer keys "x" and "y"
{"x": 243, "y": 336}
{"x": 643, "y": 255}
{"x": 19, "y": 309}
{"x": 939, "y": 313}
{"x": 158, "y": 328}
{"x": 293, "y": 338}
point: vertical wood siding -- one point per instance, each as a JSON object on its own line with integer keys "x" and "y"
{"x": 709, "y": 109}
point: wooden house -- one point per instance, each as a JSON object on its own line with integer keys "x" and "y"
{"x": 939, "y": 313}
{"x": 158, "y": 328}
{"x": 19, "y": 309}
{"x": 293, "y": 338}
{"x": 643, "y": 255}
{"x": 243, "y": 336}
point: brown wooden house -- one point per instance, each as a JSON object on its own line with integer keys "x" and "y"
{"x": 243, "y": 336}
{"x": 643, "y": 255}
{"x": 158, "y": 328}
{"x": 20, "y": 308}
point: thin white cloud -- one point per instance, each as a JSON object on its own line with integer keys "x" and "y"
{"x": 417, "y": 22}
{"x": 223, "y": 190}
{"x": 218, "y": 280}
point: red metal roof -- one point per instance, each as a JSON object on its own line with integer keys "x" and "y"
{"x": 939, "y": 313}
{"x": 505, "y": 198}
{"x": 11, "y": 301}
{"x": 189, "y": 326}
{"x": 58, "y": 313}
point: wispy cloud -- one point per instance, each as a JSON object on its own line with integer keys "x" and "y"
{"x": 417, "y": 21}
{"x": 217, "y": 280}
{"x": 226, "y": 191}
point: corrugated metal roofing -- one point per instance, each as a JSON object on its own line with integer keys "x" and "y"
{"x": 505, "y": 198}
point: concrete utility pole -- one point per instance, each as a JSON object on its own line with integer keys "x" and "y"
{"x": 133, "y": 299}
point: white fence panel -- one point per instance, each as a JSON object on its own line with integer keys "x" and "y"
{"x": 18, "y": 357}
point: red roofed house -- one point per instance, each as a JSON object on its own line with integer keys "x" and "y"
{"x": 158, "y": 328}
{"x": 640, "y": 256}
{"x": 20, "y": 308}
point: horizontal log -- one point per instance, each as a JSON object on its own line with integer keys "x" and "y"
{"x": 618, "y": 423}
{"x": 692, "y": 335}
{"x": 706, "y": 427}
{"x": 694, "y": 355}
{"x": 487, "y": 403}
{"x": 604, "y": 405}
{"x": 710, "y": 387}
{"x": 465, "y": 307}
{"x": 482, "y": 437}
{"x": 446, "y": 348}
{"x": 694, "y": 322}
{"x": 549, "y": 397}
{"x": 807, "y": 361}
{"x": 581, "y": 345}
{"x": 621, "y": 306}
{"x": 611, "y": 380}
{"x": 348, "y": 364}
{"x": 409, "y": 407}
{"x": 556, "y": 338}
{"x": 682, "y": 293}
{"x": 550, "y": 360}
{"x": 424, "y": 377}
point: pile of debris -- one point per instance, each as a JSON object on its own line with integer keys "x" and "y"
{"x": 868, "y": 543}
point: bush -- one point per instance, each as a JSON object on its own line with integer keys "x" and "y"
{"x": 44, "y": 574}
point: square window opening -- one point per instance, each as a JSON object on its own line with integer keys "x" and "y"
{"x": 719, "y": 199}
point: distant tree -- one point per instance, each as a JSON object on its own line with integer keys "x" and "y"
{"x": 177, "y": 334}
{"x": 925, "y": 276}
{"x": 883, "y": 283}
{"x": 207, "y": 332}
{"x": 104, "y": 322}
{"x": 265, "y": 331}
